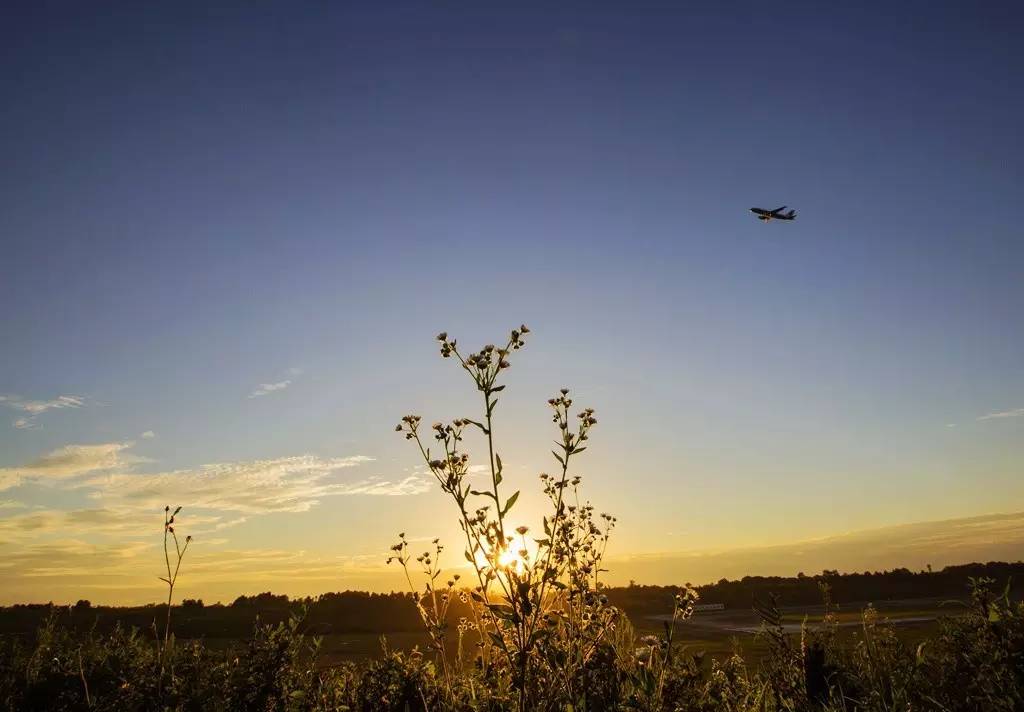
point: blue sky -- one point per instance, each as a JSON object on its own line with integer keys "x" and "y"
{"x": 199, "y": 199}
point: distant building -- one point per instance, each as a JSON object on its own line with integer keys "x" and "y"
{"x": 701, "y": 607}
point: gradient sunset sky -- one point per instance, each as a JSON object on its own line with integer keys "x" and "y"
{"x": 231, "y": 232}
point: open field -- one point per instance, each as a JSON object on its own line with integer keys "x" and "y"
{"x": 716, "y": 633}
{"x": 739, "y": 621}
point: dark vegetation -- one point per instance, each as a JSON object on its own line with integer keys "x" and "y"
{"x": 383, "y": 613}
{"x": 532, "y": 627}
{"x": 974, "y": 661}
{"x": 846, "y": 588}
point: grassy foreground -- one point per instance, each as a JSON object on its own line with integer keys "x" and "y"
{"x": 974, "y": 662}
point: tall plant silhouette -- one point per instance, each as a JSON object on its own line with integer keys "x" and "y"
{"x": 171, "y": 537}
{"x": 537, "y": 609}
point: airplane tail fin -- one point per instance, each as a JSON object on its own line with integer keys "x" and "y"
{"x": 791, "y": 214}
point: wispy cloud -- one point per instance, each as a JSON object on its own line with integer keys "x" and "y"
{"x": 268, "y": 388}
{"x": 75, "y": 460}
{"x": 106, "y": 472}
{"x": 69, "y": 462}
{"x": 101, "y": 543}
{"x": 1014, "y": 413}
{"x": 265, "y": 388}
{"x": 287, "y": 484}
{"x": 148, "y": 435}
{"x": 122, "y": 523}
{"x": 36, "y": 408}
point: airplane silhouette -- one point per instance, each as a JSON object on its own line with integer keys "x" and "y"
{"x": 776, "y": 214}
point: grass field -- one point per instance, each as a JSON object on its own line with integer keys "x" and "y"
{"x": 716, "y": 633}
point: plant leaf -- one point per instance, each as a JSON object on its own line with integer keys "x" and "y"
{"x": 508, "y": 504}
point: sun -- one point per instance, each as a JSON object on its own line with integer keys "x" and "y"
{"x": 509, "y": 560}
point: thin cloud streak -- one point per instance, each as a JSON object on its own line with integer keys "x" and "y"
{"x": 287, "y": 484}
{"x": 264, "y": 389}
{"x": 36, "y": 408}
{"x": 1015, "y": 413}
{"x": 267, "y": 388}
{"x": 69, "y": 462}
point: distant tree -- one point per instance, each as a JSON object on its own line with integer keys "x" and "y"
{"x": 192, "y": 603}
{"x": 83, "y": 605}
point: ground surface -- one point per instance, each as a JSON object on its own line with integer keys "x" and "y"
{"x": 717, "y": 633}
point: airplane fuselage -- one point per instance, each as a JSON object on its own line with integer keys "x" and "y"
{"x": 777, "y": 214}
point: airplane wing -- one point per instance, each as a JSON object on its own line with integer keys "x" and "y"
{"x": 779, "y": 210}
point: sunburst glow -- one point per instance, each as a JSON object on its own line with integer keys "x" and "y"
{"x": 511, "y": 560}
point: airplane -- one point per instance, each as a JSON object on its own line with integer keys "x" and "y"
{"x": 776, "y": 214}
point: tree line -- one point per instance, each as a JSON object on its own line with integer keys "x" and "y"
{"x": 365, "y": 612}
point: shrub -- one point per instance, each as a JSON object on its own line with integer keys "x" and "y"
{"x": 538, "y": 616}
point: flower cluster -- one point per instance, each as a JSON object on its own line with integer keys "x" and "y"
{"x": 436, "y": 599}
{"x": 485, "y": 364}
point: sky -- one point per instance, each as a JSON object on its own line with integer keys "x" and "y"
{"x": 230, "y": 232}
